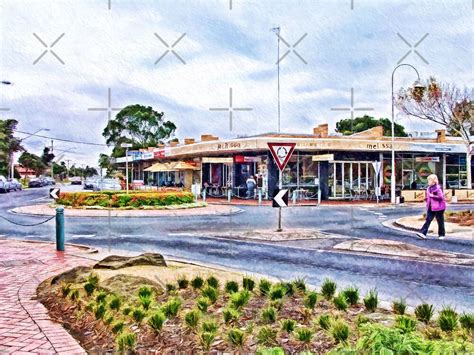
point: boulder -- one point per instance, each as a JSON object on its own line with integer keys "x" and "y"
{"x": 115, "y": 262}
{"x": 76, "y": 275}
{"x": 127, "y": 285}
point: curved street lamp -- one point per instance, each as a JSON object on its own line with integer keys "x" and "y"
{"x": 417, "y": 85}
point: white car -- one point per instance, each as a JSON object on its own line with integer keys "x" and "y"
{"x": 4, "y": 184}
{"x": 107, "y": 185}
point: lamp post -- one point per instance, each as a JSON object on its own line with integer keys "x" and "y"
{"x": 417, "y": 85}
{"x": 277, "y": 31}
{"x": 126, "y": 146}
{"x": 12, "y": 168}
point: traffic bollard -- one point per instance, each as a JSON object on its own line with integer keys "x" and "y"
{"x": 294, "y": 197}
{"x": 204, "y": 195}
{"x": 60, "y": 229}
{"x": 229, "y": 195}
{"x": 259, "y": 196}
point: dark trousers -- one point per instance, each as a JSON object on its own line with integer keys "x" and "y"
{"x": 430, "y": 215}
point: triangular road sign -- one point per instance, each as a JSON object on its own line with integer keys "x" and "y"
{"x": 281, "y": 152}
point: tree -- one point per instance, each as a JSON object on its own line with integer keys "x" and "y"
{"x": 8, "y": 144}
{"x": 359, "y": 124}
{"x": 60, "y": 169}
{"x": 47, "y": 157}
{"x": 139, "y": 125}
{"x": 33, "y": 162}
{"x": 106, "y": 163}
{"x": 444, "y": 104}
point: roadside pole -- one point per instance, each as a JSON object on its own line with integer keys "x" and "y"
{"x": 126, "y": 146}
{"x": 60, "y": 229}
{"x": 280, "y": 186}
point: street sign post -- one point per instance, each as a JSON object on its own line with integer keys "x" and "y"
{"x": 281, "y": 153}
{"x": 377, "y": 166}
{"x": 126, "y": 146}
{"x": 54, "y": 193}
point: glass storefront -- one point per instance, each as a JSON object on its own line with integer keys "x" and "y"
{"x": 351, "y": 179}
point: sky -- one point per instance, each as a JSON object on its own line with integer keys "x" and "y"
{"x": 328, "y": 49}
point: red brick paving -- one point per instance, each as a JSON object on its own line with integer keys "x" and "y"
{"x": 25, "y": 327}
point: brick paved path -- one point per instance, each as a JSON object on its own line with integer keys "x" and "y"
{"x": 25, "y": 327}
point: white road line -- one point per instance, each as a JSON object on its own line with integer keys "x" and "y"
{"x": 83, "y": 235}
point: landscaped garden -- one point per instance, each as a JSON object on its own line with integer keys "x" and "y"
{"x": 202, "y": 313}
{"x": 463, "y": 218}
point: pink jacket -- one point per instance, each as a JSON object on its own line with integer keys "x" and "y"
{"x": 435, "y": 198}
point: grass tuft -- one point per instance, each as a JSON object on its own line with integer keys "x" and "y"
{"x": 371, "y": 300}
{"x": 328, "y": 288}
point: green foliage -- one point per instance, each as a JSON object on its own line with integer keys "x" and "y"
{"x": 325, "y": 321}
{"x": 183, "y": 282}
{"x": 290, "y": 288}
{"x": 212, "y": 281}
{"x": 269, "y": 315}
{"x": 377, "y": 339}
{"x": 310, "y": 300}
{"x": 209, "y": 326}
{"x": 299, "y": 284}
{"x": 171, "y": 308}
{"x": 74, "y": 295}
{"x": 90, "y": 306}
{"x": 236, "y": 337}
{"x": 203, "y": 303}
{"x": 248, "y": 283}
{"x": 99, "y": 311}
{"x": 126, "y": 341}
{"x": 339, "y": 331}
{"x": 271, "y": 351}
{"x": 65, "y": 289}
{"x": 231, "y": 287}
{"x": 467, "y": 321}
{"x": 197, "y": 282}
{"x": 399, "y": 306}
{"x": 90, "y": 288}
{"x": 170, "y": 287}
{"x": 288, "y": 325}
{"x": 138, "y": 314}
{"x": 424, "y": 312}
{"x": 115, "y": 302}
{"x": 238, "y": 300}
{"x": 230, "y": 315}
{"x": 340, "y": 302}
{"x": 117, "y": 327}
{"x": 145, "y": 301}
{"x": 211, "y": 293}
{"x": 304, "y": 334}
{"x": 352, "y": 295}
{"x": 192, "y": 318}
{"x": 405, "y": 324}
{"x": 145, "y": 291}
{"x": 277, "y": 292}
{"x": 371, "y": 300}
{"x": 433, "y": 333}
{"x": 349, "y": 126}
{"x": 328, "y": 288}
{"x": 101, "y": 296}
{"x": 362, "y": 319}
{"x": 206, "y": 339}
{"x": 448, "y": 319}
{"x": 93, "y": 279}
{"x": 266, "y": 336}
{"x": 264, "y": 287}
{"x": 126, "y": 310}
{"x": 156, "y": 321}
{"x": 109, "y": 319}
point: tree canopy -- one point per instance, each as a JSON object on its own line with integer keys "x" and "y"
{"x": 33, "y": 162}
{"x": 359, "y": 124}
{"x": 139, "y": 125}
{"x": 8, "y": 144}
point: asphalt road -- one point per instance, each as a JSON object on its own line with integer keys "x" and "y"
{"x": 176, "y": 237}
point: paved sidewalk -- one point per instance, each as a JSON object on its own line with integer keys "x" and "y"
{"x": 25, "y": 327}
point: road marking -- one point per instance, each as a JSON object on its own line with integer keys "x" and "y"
{"x": 378, "y": 213}
{"x": 83, "y": 235}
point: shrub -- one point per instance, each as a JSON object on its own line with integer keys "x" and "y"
{"x": 192, "y": 318}
{"x": 271, "y": 351}
{"x": 300, "y": 284}
{"x": 467, "y": 321}
{"x": 340, "y": 302}
{"x": 138, "y": 315}
{"x": 93, "y": 279}
{"x": 90, "y": 288}
{"x": 424, "y": 312}
{"x": 109, "y": 319}
{"x": 203, "y": 304}
{"x": 99, "y": 311}
{"x": 362, "y": 319}
{"x": 371, "y": 300}
{"x": 378, "y": 339}
{"x": 352, "y": 295}
{"x": 269, "y": 315}
{"x": 328, "y": 288}
{"x": 304, "y": 334}
{"x": 231, "y": 287}
{"x": 156, "y": 321}
{"x": 277, "y": 292}
{"x": 144, "y": 291}
{"x": 211, "y": 293}
{"x": 239, "y": 299}
{"x": 264, "y": 287}
{"x": 65, "y": 289}
{"x": 230, "y": 315}
{"x": 90, "y": 306}
{"x": 288, "y": 325}
{"x": 340, "y": 331}
{"x": 325, "y": 321}
{"x": 433, "y": 333}
{"x": 310, "y": 300}
{"x": 197, "y": 282}
{"x": 248, "y": 283}
{"x": 399, "y": 306}
{"x": 115, "y": 302}
{"x": 405, "y": 324}
{"x": 74, "y": 295}
{"x": 171, "y": 308}
{"x": 213, "y": 282}
{"x": 290, "y": 288}
{"x": 236, "y": 337}
{"x": 209, "y": 326}
{"x": 126, "y": 310}
{"x": 126, "y": 341}
{"x": 101, "y": 296}
{"x": 117, "y": 327}
{"x": 266, "y": 336}
{"x": 170, "y": 288}
{"x": 145, "y": 301}
{"x": 206, "y": 339}
{"x": 183, "y": 282}
{"x": 448, "y": 319}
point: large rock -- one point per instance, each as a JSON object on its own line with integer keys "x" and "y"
{"x": 127, "y": 285}
{"x": 76, "y": 275}
{"x": 115, "y": 262}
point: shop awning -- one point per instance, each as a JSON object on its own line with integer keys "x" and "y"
{"x": 182, "y": 165}
{"x": 160, "y": 167}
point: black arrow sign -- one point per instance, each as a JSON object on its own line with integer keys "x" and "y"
{"x": 280, "y": 198}
{"x": 54, "y": 193}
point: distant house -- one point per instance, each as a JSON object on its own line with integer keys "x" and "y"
{"x": 25, "y": 172}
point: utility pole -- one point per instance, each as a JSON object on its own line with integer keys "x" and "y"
{"x": 67, "y": 172}
{"x": 52, "y": 162}
{"x": 277, "y": 31}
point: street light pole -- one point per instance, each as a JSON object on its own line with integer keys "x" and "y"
{"x": 277, "y": 31}
{"x": 126, "y": 146}
{"x": 394, "y": 175}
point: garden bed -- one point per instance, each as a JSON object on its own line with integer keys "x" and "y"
{"x": 173, "y": 309}
{"x": 463, "y": 218}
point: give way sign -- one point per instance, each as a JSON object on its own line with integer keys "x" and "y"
{"x": 281, "y": 152}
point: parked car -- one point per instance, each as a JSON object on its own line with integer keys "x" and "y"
{"x": 15, "y": 185}
{"x": 4, "y": 184}
{"x": 49, "y": 181}
{"x": 107, "y": 184}
{"x": 76, "y": 180}
{"x": 37, "y": 182}
{"x": 89, "y": 183}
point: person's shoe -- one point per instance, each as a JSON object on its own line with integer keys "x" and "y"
{"x": 420, "y": 235}
{"x": 441, "y": 237}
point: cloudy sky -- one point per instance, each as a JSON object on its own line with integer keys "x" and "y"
{"x": 335, "y": 46}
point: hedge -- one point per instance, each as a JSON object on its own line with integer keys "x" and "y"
{"x": 121, "y": 199}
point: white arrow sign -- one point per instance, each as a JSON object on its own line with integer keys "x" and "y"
{"x": 54, "y": 193}
{"x": 281, "y": 199}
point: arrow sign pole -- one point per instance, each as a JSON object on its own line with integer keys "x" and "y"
{"x": 280, "y": 186}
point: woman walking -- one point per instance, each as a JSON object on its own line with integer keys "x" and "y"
{"x": 435, "y": 206}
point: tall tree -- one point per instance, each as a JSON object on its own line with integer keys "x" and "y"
{"x": 8, "y": 144}
{"x": 47, "y": 157}
{"x": 106, "y": 163}
{"x": 444, "y": 104}
{"x": 139, "y": 125}
{"x": 33, "y": 162}
{"x": 359, "y": 124}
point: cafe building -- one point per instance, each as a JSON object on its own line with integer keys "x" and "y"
{"x": 340, "y": 167}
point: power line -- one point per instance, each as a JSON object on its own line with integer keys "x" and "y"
{"x": 62, "y": 139}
